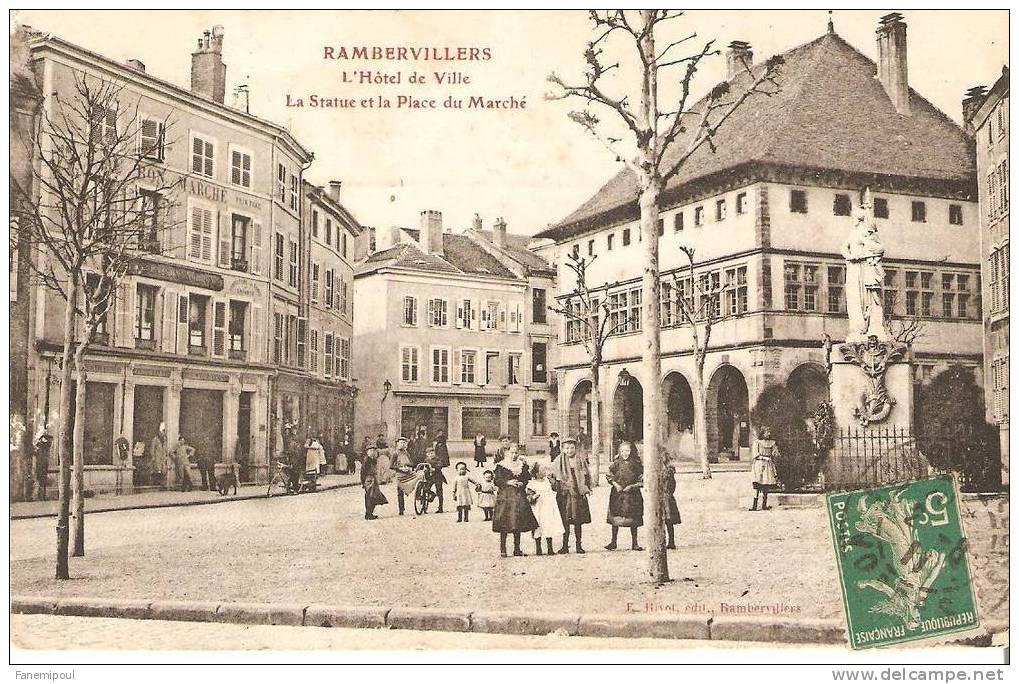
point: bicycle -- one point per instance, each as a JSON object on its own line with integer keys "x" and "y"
{"x": 424, "y": 492}
{"x": 281, "y": 482}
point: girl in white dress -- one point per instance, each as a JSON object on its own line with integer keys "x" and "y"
{"x": 546, "y": 511}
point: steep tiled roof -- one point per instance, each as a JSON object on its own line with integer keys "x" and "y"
{"x": 516, "y": 245}
{"x": 832, "y": 113}
{"x": 460, "y": 255}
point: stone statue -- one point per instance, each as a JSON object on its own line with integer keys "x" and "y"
{"x": 864, "y": 276}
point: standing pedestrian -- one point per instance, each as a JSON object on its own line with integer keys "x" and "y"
{"x": 157, "y": 456}
{"x": 183, "y": 454}
{"x": 438, "y": 478}
{"x": 545, "y": 509}
{"x": 462, "y": 494}
{"x": 585, "y": 440}
{"x": 765, "y": 479}
{"x": 512, "y": 510}
{"x": 486, "y": 494}
{"x": 441, "y": 449}
{"x": 373, "y": 496}
{"x": 403, "y": 465}
{"x": 207, "y": 469}
{"x": 555, "y": 446}
{"x": 348, "y": 450}
{"x": 673, "y": 518}
{"x": 43, "y": 443}
{"x": 505, "y": 447}
{"x": 573, "y": 478}
{"x": 315, "y": 456}
{"x": 626, "y": 504}
{"x": 479, "y": 450}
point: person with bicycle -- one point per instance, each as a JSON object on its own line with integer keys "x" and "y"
{"x": 434, "y": 458}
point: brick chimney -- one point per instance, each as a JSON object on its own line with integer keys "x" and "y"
{"x": 208, "y": 72}
{"x": 499, "y": 233}
{"x": 737, "y": 58}
{"x": 334, "y": 190}
{"x": 891, "y": 63}
{"x": 431, "y": 232}
{"x": 971, "y": 102}
{"x": 477, "y": 224}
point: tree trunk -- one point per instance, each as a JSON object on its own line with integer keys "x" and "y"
{"x": 596, "y": 428}
{"x": 64, "y": 439}
{"x": 78, "y": 490}
{"x": 700, "y": 423}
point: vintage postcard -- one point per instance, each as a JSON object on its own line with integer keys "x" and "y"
{"x": 335, "y": 332}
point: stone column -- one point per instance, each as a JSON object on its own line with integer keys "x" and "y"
{"x": 127, "y": 417}
{"x": 231, "y": 410}
{"x": 172, "y": 414}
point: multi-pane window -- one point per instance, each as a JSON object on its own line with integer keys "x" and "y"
{"x": 836, "y": 289}
{"x": 239, "y": 242}
{"x": 919, "y": 293}
{"x": 440, "y": 365}
{"x": 202, "y": 156}
{"x": 710, "y": 285}
{"x": 677, "y": 222}
{"x": 741, "y": 203}
{"x": 410, "y": 308}
{"x": 880, "y": 207}
{"x": 539, "y": 353}
{"x": 197, "y": 316}
{"x": 466, "y": 314}
{"x": 491, "y": 366}
{"x": 295, "y": 193}
{"x": 890, "y": 292}
{"x": 277, "y": 338}
{"x": 955, "y": 295}
{"x": 955, "y": 214}
{"x": 409, "y": 364}
{"x": 152, "y": 203}
{"x": 736, "y": 301}
{"x": 919, "y": 212}
{"x": 798, "y": 201}
{"x": 801, "y": 286}
{"x": 667, "y": 308}
{"x": 468, "y": 364}
{"x": 145, "y": 313}
{"x": 240, "y": 168}
{"x": 279, "y": 256}
{"x": 842, "y": 205}
{"x": 720, "y": 210}
{"x": 238, "y": 312}
{"x": 999, "y": 279}
{"x": 281, "y": 182}
{"x": 698, "y": 216}
{"x": 997, "y": 189}
{"x": 151, "y": 139}
{"x": 626, "y": 237}
{"x": 537, "y": 417}
{"x": 490, "y": 316}
{"x": 575, "y": 329}
{"x": 619, "y": 313}
{"x": 104, "y": 123}
{"x": 438, "y": 313}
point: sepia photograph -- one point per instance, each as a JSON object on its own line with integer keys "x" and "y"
{"x": 335, "y": 337}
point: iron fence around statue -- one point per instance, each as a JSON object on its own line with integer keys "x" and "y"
{"x": 873, "y": 457}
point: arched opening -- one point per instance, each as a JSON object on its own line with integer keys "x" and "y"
{"x": 579, "y": 423}
{"x": 729, "y": 427}
{"x": 627, "y": 410}
{"x": 810, "y": 385}
{"x": 679, "y": 408}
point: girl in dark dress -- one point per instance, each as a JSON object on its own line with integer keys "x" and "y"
{"x": 373, "y": 496}
{"x": 555, "y": 447}
{"x": 573, "y": 486}
{"x": 673, "y": 518}
{"x": 626, "y": 504}
{"x": 512, "y": 510}
{"x": 479, "y": 450}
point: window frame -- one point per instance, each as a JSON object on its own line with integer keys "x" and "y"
{"x": 208, "y": 139}
{"x": 233, "y": 148}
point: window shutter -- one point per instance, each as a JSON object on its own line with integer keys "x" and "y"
{"x": 256, "y": 248}
{"x": 224, "y": 240}
{"x": 518, "y": 319}
{"x": 525, "y": 369}
{"x": 474, "y": 314}
{"x": 455, "y": 368}
{"x": 124, "y": 306}
{"x": 195, "y": 234}
{"x": 169, "y": 320}
{"x": 256, "y": 333}
{"x": 219, "y": 328}
{"x": 459, "y": 313}
{"x": 181, "y": 316}
{"x": 501, "y": 374}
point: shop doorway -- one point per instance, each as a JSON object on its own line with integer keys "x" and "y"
{"x": 243, "y": 453}
{"x": 148, "y": 414}
{"x": 201, "y": 421}
{"x": 100, "y": 430}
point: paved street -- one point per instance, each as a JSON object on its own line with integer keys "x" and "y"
{"x": 319, "y": 549}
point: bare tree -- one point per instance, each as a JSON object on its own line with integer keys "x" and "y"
{"x": 666, "y": 136}
{"x": 92, "y": 207}
{"x": 698, "y": 304}
{"x": 587, "y": 313}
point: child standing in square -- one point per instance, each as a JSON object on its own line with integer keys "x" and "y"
{"x": 542, "y": 498}
{"x": 486, "y": 494}
{"x": 462, "y": 493}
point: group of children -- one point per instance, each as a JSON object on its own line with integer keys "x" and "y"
{"x": 464, "y": 488}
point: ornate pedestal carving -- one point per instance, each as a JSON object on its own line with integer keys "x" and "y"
{"x": 872, "y": 385}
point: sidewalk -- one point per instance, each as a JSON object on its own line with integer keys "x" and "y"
{"x": 24, "y": 510}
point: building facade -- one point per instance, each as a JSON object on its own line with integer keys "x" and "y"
{"x": 767, "y": 215}
{"x": 986, "y": 115}
{"x": 453, "y": 335}
{"x": 186, "y": 343}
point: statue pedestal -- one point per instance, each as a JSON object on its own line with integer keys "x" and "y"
{"x": 850, "y": 386}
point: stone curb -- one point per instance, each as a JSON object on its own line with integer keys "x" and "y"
{"x": 681, "y": 626}
{"x": 221, "y": 500}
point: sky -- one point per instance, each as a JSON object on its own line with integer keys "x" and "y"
{"x": 531, "y": 166}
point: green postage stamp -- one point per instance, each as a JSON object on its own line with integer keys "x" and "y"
{"x": 902, "y": 562}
